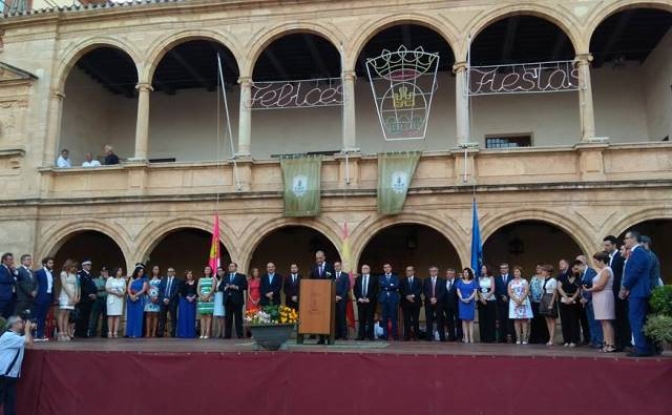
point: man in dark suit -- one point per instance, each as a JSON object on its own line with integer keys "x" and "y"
{"x": 293, "y": 287}
{"x": 234, "y": 285}
{"x": 451, "y": 307}
{"x": 637, "y": 289}
{"x": 8, "y": 277}
{"x": 388, "y": 298}
{"x": 270, "y": 286}
{"x": 89, "y": 292}
{"x": 342, "y": 298}
{"x": 411, "y": 302}
{"x": 434, "y": 289}
{"x": 169, "y": 291}
{"x": 45, "y": 296}
{"x": 26, "y": 289}
{"x": 366, "y": 295}
{"x": 587, "y": 275}
{"x": 322, "y": 271}
{"x": 621, "y": 324}
{"x": 506, "y": 333}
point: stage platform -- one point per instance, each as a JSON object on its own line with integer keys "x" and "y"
{"x": 177, "y": 377}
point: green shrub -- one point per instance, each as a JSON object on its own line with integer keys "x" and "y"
{"x": 661, "y": 300}
{"x": 659, "y": 328}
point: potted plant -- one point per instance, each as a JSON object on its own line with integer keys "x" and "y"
{"x": 659, "y": 325}
{"x": 271, "y": 325}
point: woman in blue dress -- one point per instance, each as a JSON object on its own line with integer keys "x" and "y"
{"x": 467, "y": 289}
{"x": 186, "y": 312}
{"x": 135, "y": 302}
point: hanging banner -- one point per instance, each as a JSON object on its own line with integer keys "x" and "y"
{"x": 301, "y": 175}
{"x": 395, "y": 172}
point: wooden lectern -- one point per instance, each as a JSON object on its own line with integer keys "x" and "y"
{"x": 317, "y": 309}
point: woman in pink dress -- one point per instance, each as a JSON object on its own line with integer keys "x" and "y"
{"x": 603, "y": 299}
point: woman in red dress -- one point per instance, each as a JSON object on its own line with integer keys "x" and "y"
{"x": 253, "y": 290}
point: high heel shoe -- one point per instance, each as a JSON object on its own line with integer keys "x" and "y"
{"x": 109, "y": 334}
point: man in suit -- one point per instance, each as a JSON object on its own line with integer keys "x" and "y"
{"x": 342, "y": 298}
{"x": 506, "y": 332}
{"x": 637, "y": 289}
{"x": 8, "y": 276}
{"x": 270, "y": 286}
{"x": 169, "y": 291}
{"x": 587, "y": 275}
{"x": 434, "y": 289}
{"x": 656, "y": 276}
{"x": 451, "y": 307}
{"x": 26, "y": 289}
{"x": 293, "y": 287}
{"x": 89, "y": 294}
{"x": 45, "y": 296}
{"x": 322, "y": 270}
{"x": 388, "y": 298}
{"x": 234, "y": 285}
{"x": 621, "y": 324}
{"x": 366, "y": 295}
{"x": 411, "y": 302}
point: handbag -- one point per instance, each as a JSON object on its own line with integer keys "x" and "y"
{"x": 545, "y": 308}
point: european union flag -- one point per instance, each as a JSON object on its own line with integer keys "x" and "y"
{"x": 476, "y": 245}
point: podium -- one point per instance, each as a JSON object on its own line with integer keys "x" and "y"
{"x": 317, "y": 309}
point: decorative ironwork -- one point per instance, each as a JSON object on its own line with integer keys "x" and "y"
{"x": 524, "y": 78}
{"x": 403, "y": 85}
{"x": 313, "y": 93}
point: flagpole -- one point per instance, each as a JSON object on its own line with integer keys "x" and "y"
{"x": 228, "y": 121}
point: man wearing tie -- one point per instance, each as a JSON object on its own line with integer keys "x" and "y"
{"x": 342, "y": 298}
{"x": 411, "y": 302}
{"x": 270, "y": 286}
{"x": 502, "y": 294}
{"x": 26, "y": 289}
{"x": 637, "y": 289}
{"x": 169, "y": 290}
{"x": 366, "y": 292}
{"x": 450, "y": 308}
{"x": 234, "y": 286}
{"x": 435, "y": 296}
{"x": 621, "y": 324}
{"x": 7, "y": 285}
{"x": 45, "y": 296}
{"x": 322, "y": 270}
{"x": 389, "y": 301}
{"x": 89, "y": 295}
{"x": 292, "y": 287}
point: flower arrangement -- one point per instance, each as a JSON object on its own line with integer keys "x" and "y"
{"x": 271, "y": 314}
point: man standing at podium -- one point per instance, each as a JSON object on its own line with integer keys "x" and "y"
{"x": 389, "y": 301}
{"x": 322, "y": 271}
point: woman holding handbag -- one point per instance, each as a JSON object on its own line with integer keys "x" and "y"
{"x": 548, "y": 307}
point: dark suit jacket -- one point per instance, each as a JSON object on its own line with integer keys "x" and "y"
{"x": 502, "y": 288}
{"x": 87, "y": 286}
{"x": 439, "y": 290}
{"x": 328, "y": 274}
{"x": 7, "y": 282}
{"x": 616, "y": 263}
{"x": 415, "y": 289}
{"x": 371, "y": 291}
{"x": 587, "y": 280}
{"x": 292, "y": 289}
{"x": 452, "y": 300}
{"x": 342, "y": 284}
{"x": 236, "y": 297}
{"x": 266, "y": 287}
{"x": 174, "y": 289}
{"x": 42, "y": 285}
{"x": 388, "y": 291}
{"x": 27, "y": 283}
{"x": 637, "y": 273}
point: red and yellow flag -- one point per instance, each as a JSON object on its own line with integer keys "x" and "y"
{"x": 215, "y": 255}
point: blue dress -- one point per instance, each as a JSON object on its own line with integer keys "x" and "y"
{"x": 135, "y": 310}
{"x": 467, "y": 311}
{"x": 186, "y": 313}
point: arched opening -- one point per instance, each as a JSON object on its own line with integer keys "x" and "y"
{"x": 100, "y": 106}
{"x": 659, "y": 230}
{"x": 409, "y": 244}
{"x": 441, "y": 122}
{"x": 185, "y": 248}
{"x": 313, "y": 128}
{"x": 521, "y": 120}
{"x": 530, "y": 242}
{"x": 187, "y": 119}
{"x": 631, "y": 75}
{"x": 93, "y": 245}
{"x": 292, "y": 244}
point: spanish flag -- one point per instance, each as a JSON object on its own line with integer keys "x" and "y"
{"x": 215, "y": 257}
{"x": 345, "y": 252}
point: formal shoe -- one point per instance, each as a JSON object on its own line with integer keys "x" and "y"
{"x": 359, "y": 338}
{"x": 320, "y": 341}
{"x": 639, "y": 354}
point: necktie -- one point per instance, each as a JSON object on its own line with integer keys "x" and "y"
{"x": 320, "y": 270}
{"x": 433, "y": 287}
{"x": 365, "y": 285}
{"x": 170, "y": 282}
{"x": 293, "y": 279}
{"x": 231, "y": 278}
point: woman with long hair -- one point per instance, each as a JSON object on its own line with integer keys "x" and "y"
{"x": 152, "y": 305}
{"x": 206, "y": 306}
{"x": 487, "y": 306}
{"x": 116, "y": 291}
{"x": 550, "y": 310}
{"x": 68, "y": 298}
{"x": 135, "y": 302}
{"x": 538, "y": 328}
{"x": 569, "y": 290}
{"x": 219, "y": 311}
{"x": 467, "y": 291}
{"x": 186, "y": 315}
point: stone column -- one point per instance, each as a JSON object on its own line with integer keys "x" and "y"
{"x": 349, "y": 117}
{"x": 53, "y": 128}
{"x": 587, "y": 114}
{"x": 461, "y": 103}
{"x": 245, "y": 118}
{"x": 142, "y": 123}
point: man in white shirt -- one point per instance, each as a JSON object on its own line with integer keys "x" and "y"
{"x": 63, "y": 160}
{"x": 90, "y": 162}
{"x": 12, "y": 348}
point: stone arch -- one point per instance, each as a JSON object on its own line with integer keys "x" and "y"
{"x": 565, "y": 21}
{"x": 364, "y": 232}
{"x": 73, "y": 53}
{"x": 441, "y": 26}
{"x": 161, "y": 46}
{"x": 264, "y": 37}
{"x": 638, "y": 217}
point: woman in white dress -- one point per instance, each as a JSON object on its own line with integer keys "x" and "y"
{"x": 218, "y": 325}
{"x": 603, "y": 299}
{"x": 520, "y": 309}
{"x": 68, "y": 298}
{"x": 116, "y": 292}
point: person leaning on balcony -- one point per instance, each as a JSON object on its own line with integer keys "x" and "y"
{"x": 63, "y": 160}
{"x": 110, "y": 158}
{"x": 90, "y": 162}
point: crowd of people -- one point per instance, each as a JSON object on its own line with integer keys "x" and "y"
{"x": 601, "y": 302}
{"x": 63, "y": 161}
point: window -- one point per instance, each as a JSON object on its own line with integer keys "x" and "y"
{"x": 508, "y": 141}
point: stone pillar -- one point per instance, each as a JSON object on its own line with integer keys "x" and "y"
{"x": 461, "y": 104}
{"x": 245, "y": 118}
{"x": 582, "y": 62}
{"x": 142, "y": 123}
{"x": 53, "y": 128}
{"x": 349, "y": 117}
